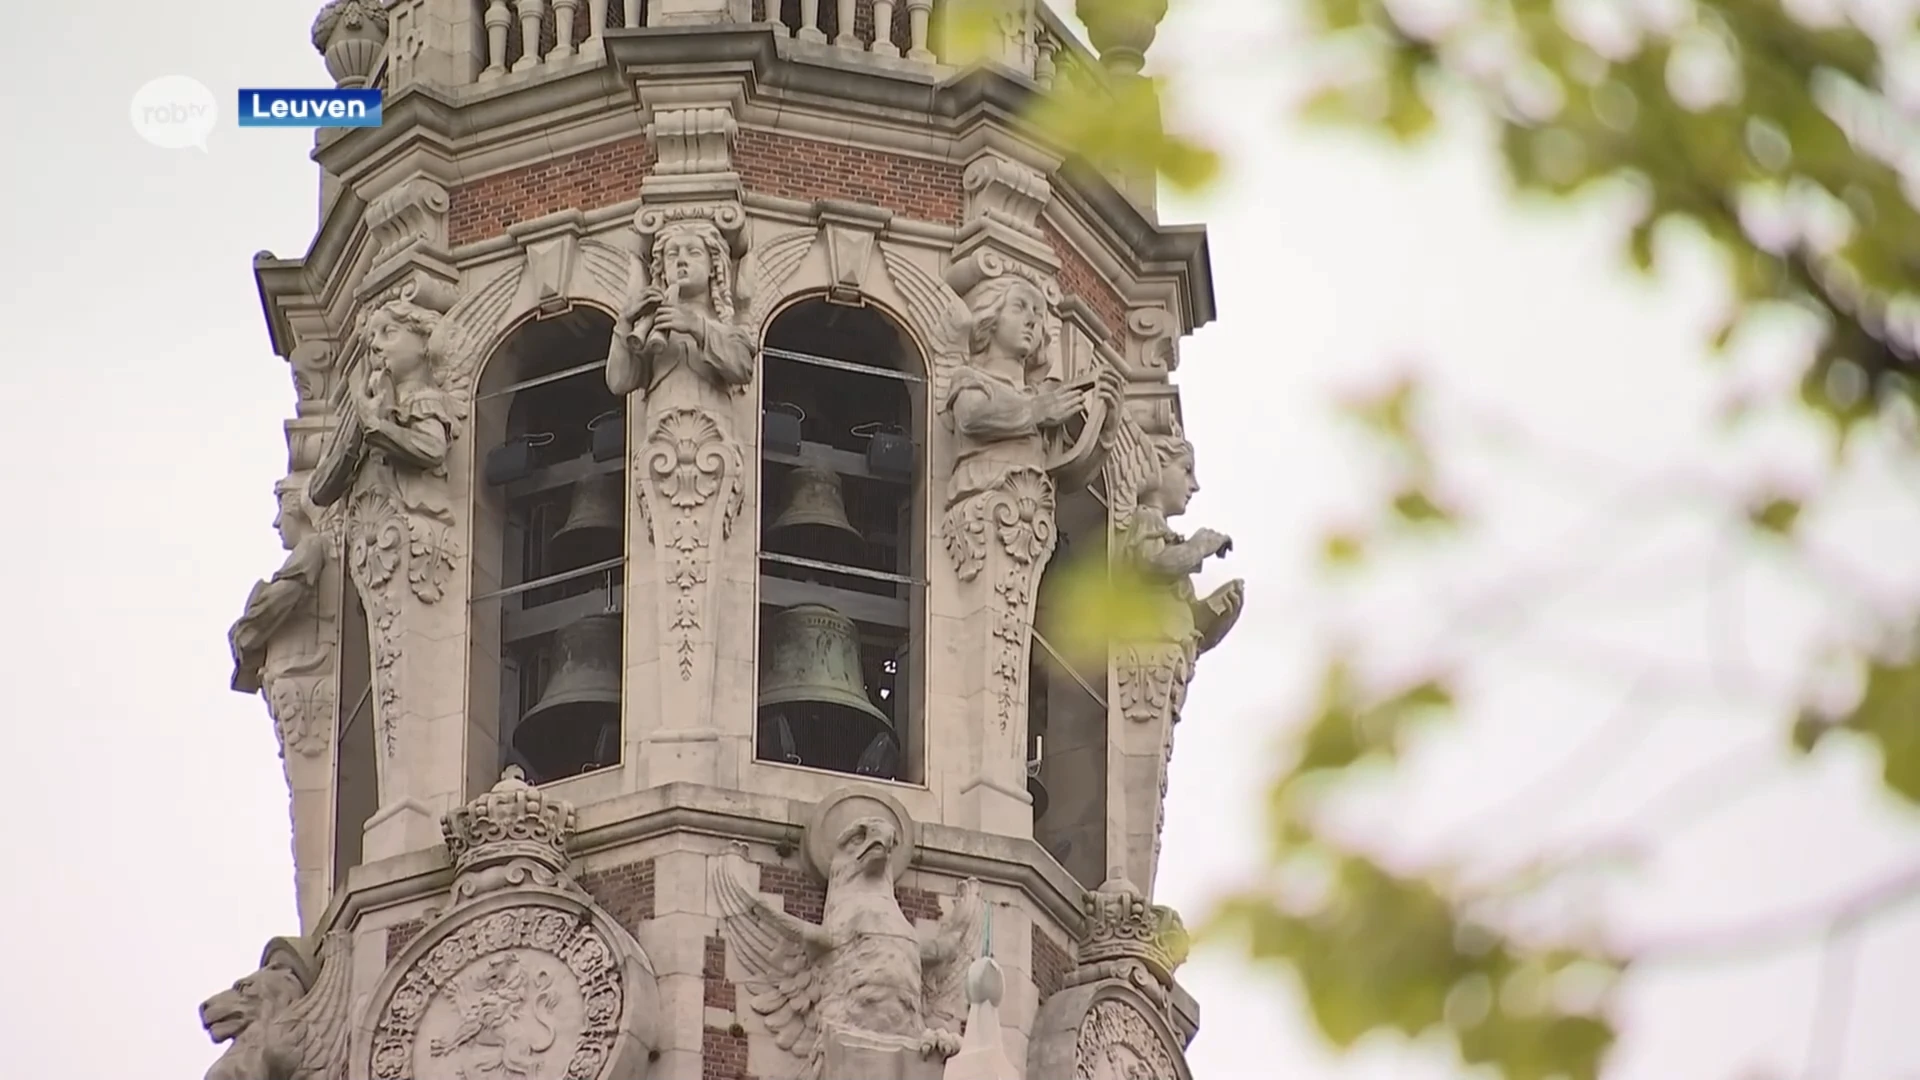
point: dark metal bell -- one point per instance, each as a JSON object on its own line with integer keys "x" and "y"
{"x": 595, "y": 527}
{"x": 814, "y": 502}
{"x": 1036, "y": 790}
{"x": 576, "y": 724}
{"x": 811, "y": 677}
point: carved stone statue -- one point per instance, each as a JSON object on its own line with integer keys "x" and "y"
{"x": 290, "y": 1020}
{"x": 862, "y": 969}
{"x": 272, "y": 601}
{"x": 680, "y": 341}
{"x": 1007, "y": 414}
{"x": 1168, "y": 560}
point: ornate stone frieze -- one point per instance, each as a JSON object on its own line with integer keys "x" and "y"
{"x": 1105, "y": 1030}
{"x": 523, "y": 974}
{"x": 873, "y": 991}
{"x": 290, "y": 1019}
{"x": 1117, "y": 1043}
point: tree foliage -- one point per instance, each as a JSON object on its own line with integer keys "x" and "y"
{"x": 1775, "y": 139}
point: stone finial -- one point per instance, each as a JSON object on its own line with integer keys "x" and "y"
{"x": 982, "y": 1055}
{"x": 351, "y": 35}
{"x": 1122, "y": 30}
{"x": 1123, "y": 927}
{"x": 513, "y": 821}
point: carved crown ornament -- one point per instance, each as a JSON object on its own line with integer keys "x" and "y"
{"x": 523, "y": 966}
{"x": 1125, "y": 929}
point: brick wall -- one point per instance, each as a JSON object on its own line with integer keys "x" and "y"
{"x": 625, "y": 891}
{"x": 586, "y": 180}
{"x": 799, "y": 168}
{"x": 400, "y": 935}
{"x": 1050, "y": 964}
{"x": 1077, "y": 278}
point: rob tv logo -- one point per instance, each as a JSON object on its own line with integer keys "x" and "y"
{"x": 310, "y": 108}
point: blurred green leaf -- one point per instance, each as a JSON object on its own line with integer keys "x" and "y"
{"x": 1343, "y": 549}
{"x": 1093, "y": 604}
{"x": 1889, "y": 714}
{"x": 1776, "y": 516}
{"x": 1415, "y": 506}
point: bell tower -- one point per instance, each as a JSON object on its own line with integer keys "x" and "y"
{"x": 702, "y": 410}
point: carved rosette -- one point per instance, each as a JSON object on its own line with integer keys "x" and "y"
{"x": 1006, "y": 534}
{"x": 1117, "y": 1043}
{"x": 692, "y": 492}
{"x": 523, "y": 969}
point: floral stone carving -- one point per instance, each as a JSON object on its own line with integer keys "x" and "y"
{"x": 862, "y": 971}
{"x": 523, "y": 975}
{"x": 287, "y": 1021}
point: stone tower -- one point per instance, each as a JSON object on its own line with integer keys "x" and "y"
{"x": 701, "y": 406}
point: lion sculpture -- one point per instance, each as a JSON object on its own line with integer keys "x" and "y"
{"x": 286, "y": 1021}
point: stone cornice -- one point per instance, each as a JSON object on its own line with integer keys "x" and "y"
{"x": 691, "y": 808}
{"x": 474, "y": 131}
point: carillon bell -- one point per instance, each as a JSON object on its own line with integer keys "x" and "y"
{"x": 816, "y": 516}
{"x": 811, "y": 677}
{"x": 1037, "y": 791}
{"x": 595, "y": 527}
{"x": 575, "y": 727}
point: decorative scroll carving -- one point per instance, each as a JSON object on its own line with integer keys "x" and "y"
{"x": 384, "y": 470}
{"x": 311, "y": 363}
{"x": 1005, "y": 192}
{"x": 290, "y": 1019}
{"x": 861, "y": 975}
{"x": 414, "y": 211}
{"x": 694, "y": 472}
{"x": 689, "y": 141}
{"x": 1117, "y": 1043}
{"x": 523, "y": 976}
{"x": 1153, "y": 337}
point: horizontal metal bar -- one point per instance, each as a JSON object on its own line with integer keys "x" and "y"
{"x": 839, "y": 568}
{"x": 844, "y": 462}
{"x": 843, "y": 365}
{"x": 858, "y": 606}
{"x": 552, "y": 579}
{"x": 562, "y": 473}
{"x": 541, "y": 380}
{"x": 518, "y": 626}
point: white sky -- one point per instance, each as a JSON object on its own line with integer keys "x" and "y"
{"x": 148, "y": 858}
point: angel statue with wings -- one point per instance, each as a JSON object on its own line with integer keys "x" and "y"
{"x": 1007, "y": 413}
{"x": 862, "y": 968}
{"x": 680, "y": 340}
{"x": 400, "y": 418}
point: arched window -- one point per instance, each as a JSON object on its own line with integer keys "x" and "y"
{"x": 550, "y": 548}
{"x": 842, "y": 543}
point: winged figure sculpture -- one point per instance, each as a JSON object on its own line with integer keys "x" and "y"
{"x": 862, "y": 967}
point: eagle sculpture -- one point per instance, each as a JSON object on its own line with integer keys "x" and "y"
{"x": 861, "y": 967}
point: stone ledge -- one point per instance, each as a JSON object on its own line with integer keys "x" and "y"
{"x": 633, "y": 818}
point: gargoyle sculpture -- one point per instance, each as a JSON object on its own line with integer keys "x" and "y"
{"x": 862, "y": 968}
{"x": 286, "y": 1021}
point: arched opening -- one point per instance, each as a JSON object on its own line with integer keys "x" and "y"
{"x": 550, "y": 547}
{"x": 842, "y": 543}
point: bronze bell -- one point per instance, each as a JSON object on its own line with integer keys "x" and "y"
{"x": 815, "y": 518}
{"x": 595, "y": 527}
{"x": 575, "y": 726}
{"x": 810, "y": 676}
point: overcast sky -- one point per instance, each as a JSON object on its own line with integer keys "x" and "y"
{"x": 148, "y": 849}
